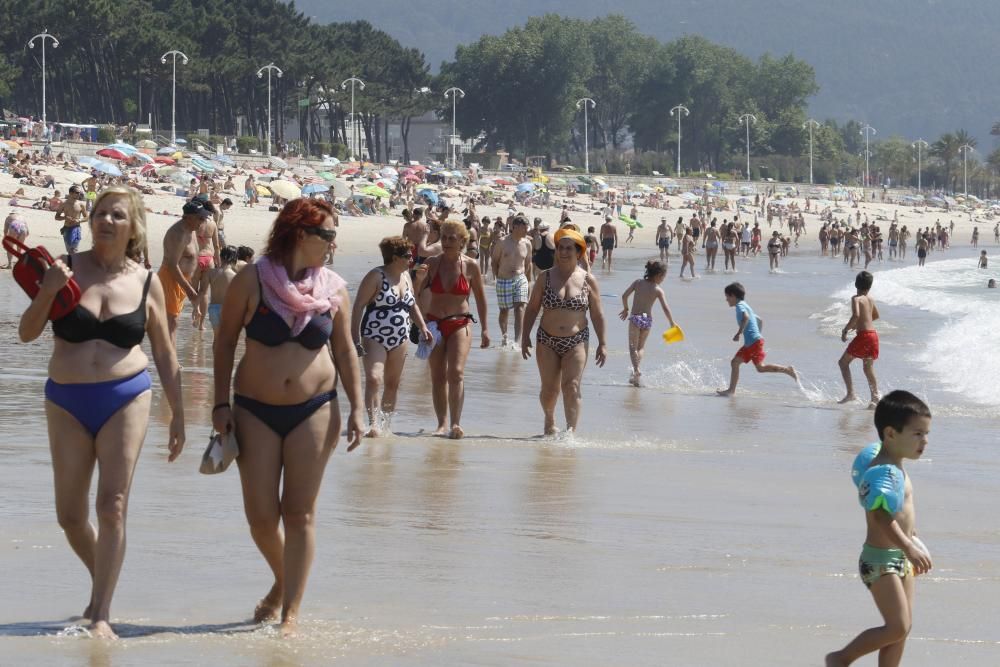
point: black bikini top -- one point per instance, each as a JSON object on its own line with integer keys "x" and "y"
{"x": 124, "y": 331}
{"x": 270, "y": 329}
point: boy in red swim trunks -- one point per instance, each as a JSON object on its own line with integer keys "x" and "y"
{"x": 753, "y": 343}
{"x": 865, "y": 343}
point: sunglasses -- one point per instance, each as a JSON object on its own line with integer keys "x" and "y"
{"x": 405, "y": 254}
{"x": 328, "y": 235}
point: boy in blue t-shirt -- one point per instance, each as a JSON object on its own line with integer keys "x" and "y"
{"x": 753, "y": 343}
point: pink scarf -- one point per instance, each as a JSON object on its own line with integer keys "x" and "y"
{"x": 298, "y": 302}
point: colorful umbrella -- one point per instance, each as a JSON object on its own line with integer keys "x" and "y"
{"x": 374, "y": 191}
{"x": 277, "y": 162}
{"x": 108, "y": 168}
{"x": 163, "y": 159}
{"x": 146, "y": 143}
{"x": 327, "y": 176}
{"x": 112, "y": 153}
{"x": 313, "y": 188}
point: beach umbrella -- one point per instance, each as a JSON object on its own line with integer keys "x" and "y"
{"x": 278, "y": 163}
{"x": 689, "y": 196}
{"x": 146, "y": 143}
{"x": 165, "y": 151}
{"x": 374, "y": 191}
{"x": 12, "y": 144}
{"x": 87, "y": 161}
{"x": 263, "y": 191}
{"x": 350, "y": 171}
{"x": 313, "y": 188}
{"x": 163, "y": 159}
{"x": 389, "y": 171}
{"x": 330, "y": 162}
{"x": 141, "y": 157}
{"x": 526, "y": 187}
{"x": 303, "y": 170}
{"x": 285, "y": 189}
{"x": 182, "y": 142}
{"x": 108, "y": 168}
{"x": 203, "y": 165}
{"x": 166, "y": 170}
{"x": 429, "y": 196}
{"x": 177, "y": 155}
{"x": 123, "y": 147}
{"x": 112, "y": 153}
{"x": 147, "y": 169}
{"x": 412, "y": 178}
{"x": 327, "y": 176}
{"x": 555, "y": 180}
{"x": 452, "y": 192}
{"x": 428, "y": 186}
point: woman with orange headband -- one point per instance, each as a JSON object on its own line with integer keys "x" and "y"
{"x": 564, "y": 294}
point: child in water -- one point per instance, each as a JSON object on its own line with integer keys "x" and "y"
{"x": 983, "y": 261}
{"x": 865, "y": 343}
{"x": 753, "y": 342}
{"x": 892, "y": 554}
{"x": 640, "y": 321}
{"x": 218, "y": 282}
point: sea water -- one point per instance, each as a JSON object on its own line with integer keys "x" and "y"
{"x": 675, "y": 528}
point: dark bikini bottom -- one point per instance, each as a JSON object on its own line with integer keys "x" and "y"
{"x": 282, "y": 419}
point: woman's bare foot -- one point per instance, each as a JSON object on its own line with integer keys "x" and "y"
{"x": 269, "y": 606}
{"x": 372, "y": 433}
{"x": 456, "y": 432}
{"x": 289, "y": 628}
{"x": 847, "y": 399}
{"x": 440, "y": 430}
{"x": 725, "y": 392}
{"x": 102, "y": 630}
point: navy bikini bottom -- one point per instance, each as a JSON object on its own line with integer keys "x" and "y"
{"x": 282, "y": 419}
{"x": 94, "y": 403}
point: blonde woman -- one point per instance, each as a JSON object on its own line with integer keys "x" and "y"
{"x": 99, "y": 391}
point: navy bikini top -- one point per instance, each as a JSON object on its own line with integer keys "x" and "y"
{"x": 124, "y": 331}
{"x": 270, "y": 329}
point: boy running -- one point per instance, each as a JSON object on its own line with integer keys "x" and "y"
{"x": 892, "y": 555}
{"x": 753, "y": 343}
{"x": 865, "y": 343}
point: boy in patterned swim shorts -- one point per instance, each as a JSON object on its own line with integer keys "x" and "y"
{"x": 892, "y": 555}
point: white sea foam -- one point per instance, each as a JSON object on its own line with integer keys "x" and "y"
{"x": 959, "y": 349}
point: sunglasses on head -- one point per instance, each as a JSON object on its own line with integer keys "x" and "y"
{"x": 327, "y": 235}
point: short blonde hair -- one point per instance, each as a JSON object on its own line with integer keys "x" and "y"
{"x": 136, "y": 214}
{"x": 456, "y": 227}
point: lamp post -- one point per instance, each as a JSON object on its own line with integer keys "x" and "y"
{"x": 811, "y": 124}
{"x": 43, "y": 35}
{"x": 586, "y": 102}
{"x": 965, "y": 148}
{"x": 867, "y": 130}
{"x": 679, "y": 110}
{"x": 455, "y": 94}
{"x": 746, "y": 118}
{"x": 173, "y": 98}
{"x": 354, "y": 130}
{"x": 918, "y": 144}
{"x": 260, "y": 74}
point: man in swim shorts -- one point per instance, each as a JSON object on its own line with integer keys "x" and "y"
{"x": 664, "y": 234}
{"x": 609, "y": 241}
{"x": 180, "y": 259}
{"x": 72, "y": 213}
{"x": 512, "y": 266}
{"x": 865, "y": 343}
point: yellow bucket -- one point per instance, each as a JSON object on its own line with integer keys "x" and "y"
{"x": 673, "y": 335}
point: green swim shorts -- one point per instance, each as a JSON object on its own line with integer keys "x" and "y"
{"x": 876, "y": 562}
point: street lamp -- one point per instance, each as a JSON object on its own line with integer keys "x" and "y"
{"x": 746, "y": 118}
{"x": 173, "y": 99}
{"x": 43, "y": 35}
{"x": 679, "y": 109}
{"x": 965, "y": 148}
{"x": 811, "y": 124}
{"x": 867, "y": 130}
{"x": 260, "y": 74}
{"x": 354, "y": 130}
{"x": 918, "y": 144}
{"x": 586, "y": 102}
{"x": 455, "y": 93}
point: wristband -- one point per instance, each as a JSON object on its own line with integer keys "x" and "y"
{"x": 220, "y": 405}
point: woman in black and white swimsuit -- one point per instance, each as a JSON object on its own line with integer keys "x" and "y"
{"x": 380, "y": 324}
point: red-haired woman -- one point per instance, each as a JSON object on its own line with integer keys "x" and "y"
{"x": 297, "y": 317}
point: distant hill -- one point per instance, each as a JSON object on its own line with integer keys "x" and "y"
{"x": 909, "y": 67}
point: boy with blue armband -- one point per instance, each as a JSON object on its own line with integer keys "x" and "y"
{"x": 892, "y": 555}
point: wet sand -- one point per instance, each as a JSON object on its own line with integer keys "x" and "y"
{"x": 678, "y": 528}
